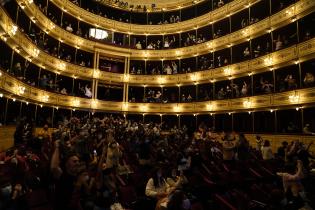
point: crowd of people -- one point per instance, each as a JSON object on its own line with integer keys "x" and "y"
{"x": 109, "y": 162}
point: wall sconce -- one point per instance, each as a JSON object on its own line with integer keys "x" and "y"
{"x": 125, "y": 106}
{"x": 76, "y": 103}
{"x": 94, "y": 103}
{"x": 96, "y": 73}
{"x": 13, "y": 29}
{"x": 21, "y": 90}
{"x": 35, "y": 52}
{"x": 294, "y": 98}
{"x": 194, "y": 77}
{"x": 143, "y": 108}
{"x": 210, "y": 107}
{"x": 45, "y": 98}
{"x": 268, "y": 61}
{"x": 161, "y": 80}
{"x": 227, "y": 71}
{"x": 61, "y": 66}
{"x": 126, "y": 77}
{"x": 247, "y": 103}
{"x": 177, "y": 108}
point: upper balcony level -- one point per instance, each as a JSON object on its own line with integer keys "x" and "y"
{"x": 145, "y": 6}
{"x": 131, "y": 25}
{"x": 266, "y": 25}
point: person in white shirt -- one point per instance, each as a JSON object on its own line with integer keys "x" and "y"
{"x": 150, "y": 46}
{"x": 157, "y": 186}
{"x": 88, "y": 92}
{"x": 168, "y": 70}
{"x": 266, "y": 151}
{"x": 69, "y": 28}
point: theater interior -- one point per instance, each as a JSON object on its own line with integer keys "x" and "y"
{"x": 157, "y": 104}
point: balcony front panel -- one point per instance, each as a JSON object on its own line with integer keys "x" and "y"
{"x": 93, "y": 19}
{"x": 10, "y": 86}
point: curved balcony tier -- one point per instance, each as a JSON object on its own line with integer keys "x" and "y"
{"x": 159, "y": 6}
{"x": 93, "y": 19}
{"x": 298, "y": 10}
{"x": 25, "y": 47}
{"x": 10, "y": 86}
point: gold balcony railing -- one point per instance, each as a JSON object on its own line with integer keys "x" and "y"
{"x": 284, "y": 17}
{"x": 93, "y": 19}
{"x": 11, "y": 87}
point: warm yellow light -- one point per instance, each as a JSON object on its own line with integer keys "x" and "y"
{"x": 161, "y": 80}
{"x": 294, "y": 98}
{"x": 13, "y": 30}
{"x": 177, "y": 108}
{"x": 45, "y": 98}
{"x": 143, "y": 108}
{"x": 21, "y": 90}
{"x": 268, "y": 61}
{"x": 35, "y": 52}
{"x": 247, "y": 103}
{"x": 76, "y": 103}
{"x": 126, "y": 77}
{"x": 96, "y": 73}
{"x": 209, "y": 107}
{"x": 227, "y": 71}
{"x": 94, "y": 103}
{"x": 125, "y": 106}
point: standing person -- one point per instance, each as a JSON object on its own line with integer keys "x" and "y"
{"x": 292, "y": 184}
{"x": 68, "y": 182}
{"x": 266, "y": 151}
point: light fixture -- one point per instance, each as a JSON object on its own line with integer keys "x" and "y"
{"x": 96, "y": 73}
{"x": 35, "y": 52}
{"x": 294, "y": 98}
{"x": 227, "y": 71}
{"x": 268, "y": 61}
{"x": 76, "y": 103}
{"x": 126, "y": 77}
{"x": 1, "y": 95}
{"x": 177, "y": 108}
{"x": 13, "y": 99}
{"x": 61, "y": 66}
{"x": 125, "y": 106}
{"x": 13, "y": 30}
{"x": 247, "y": 103}
{"x": 161, "y": 80}
{"x": 209, "y": 107}
{"x": 45, "y": 98}
{"x": 94, "y": 103}
{"x": 21, "y": 90}
{"x": 143, "y": 108}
